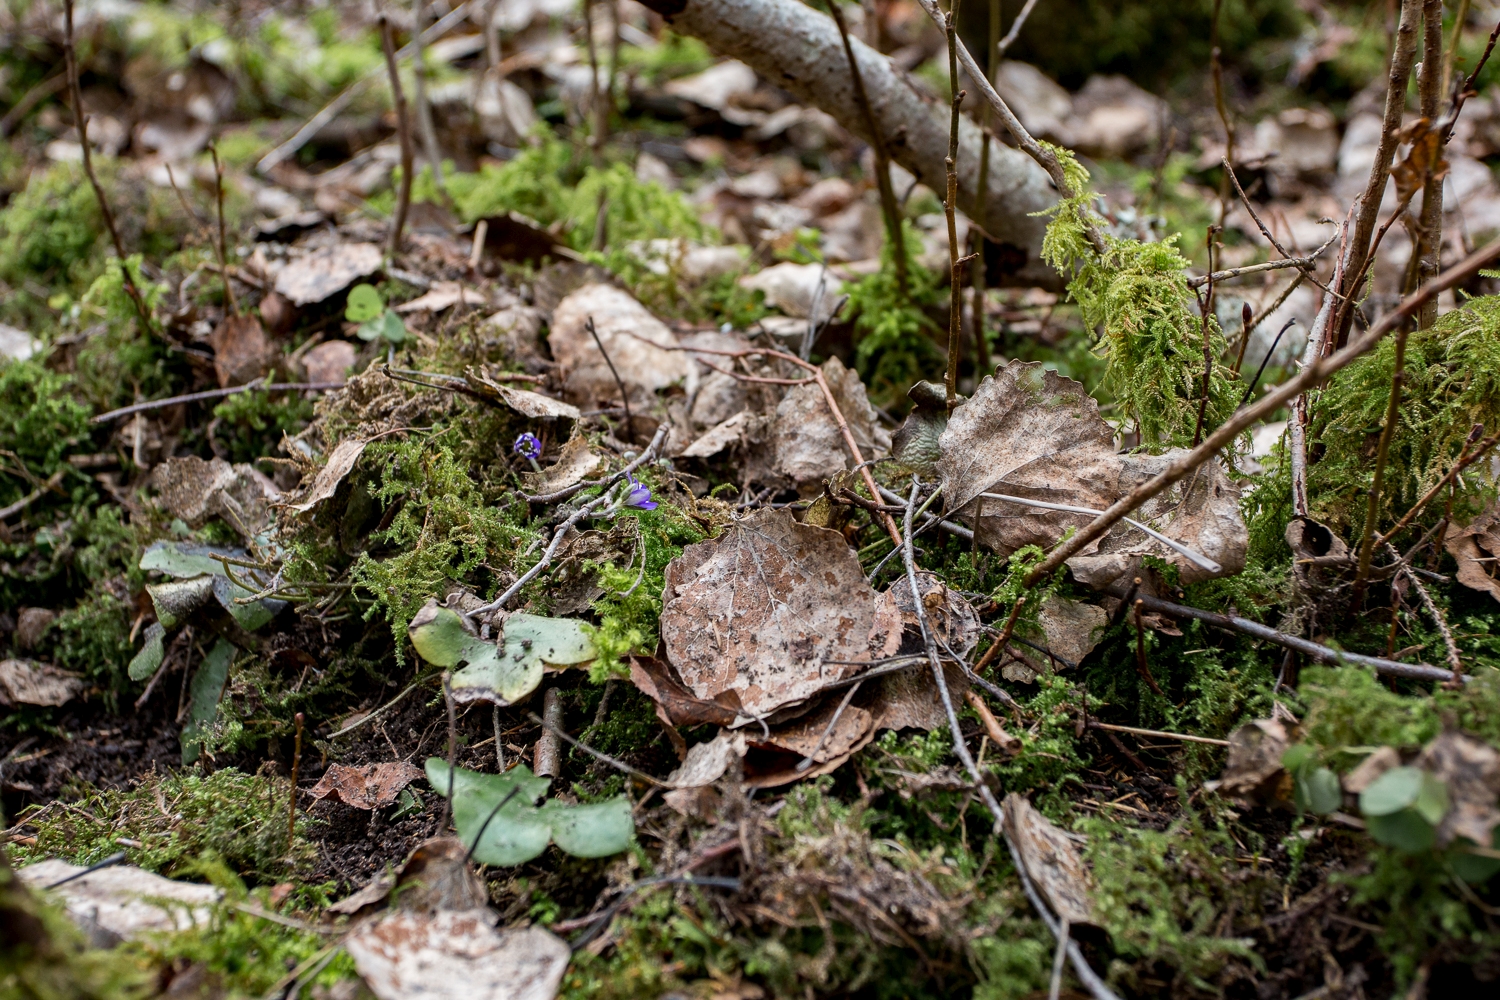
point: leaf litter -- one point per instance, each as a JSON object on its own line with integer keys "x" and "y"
{"x": 617, "y": 400}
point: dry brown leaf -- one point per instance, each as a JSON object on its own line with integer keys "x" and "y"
{"x": 1052, "y": 859}
{"x": 329, "y": 361}
{"x": 121, "y": 902}
{"x": 1474, "y": 546}
{"x": 26, "y": 682}
{"x": 443, "y": 295}
{"x": 1072, "y": 628}
{"x": 909, "y": 699}
{"x": 369, "y": 786}
{"x": 326, "y": 482}
{"x": 438, "y": 876}
{"x": 1471, "y": 770}
{"x": 723, "y": 435}
{"x": 456, "y": 955}
{"x": 675, "y": 704}
{"x": 1372, "y": 767}
{"x": 630, "y": 334}
{"x": 950, "y": 616}
{"x": 1253, "y": 766}
{"x": 371, "y": 893}
{"x": 1426, "y": 153}
{"x": 575, "y": 463}
{"x": 1030, "y": 433}
{"x": 195, "y": 490}
{"x": 327, "y": 271}
{"x": 763, "y": 609}
{"x": 242, "y": 351}
{"x": 772, "y": 761}
{"x": 523, "y": 401}
{"x": 809, "y": 445}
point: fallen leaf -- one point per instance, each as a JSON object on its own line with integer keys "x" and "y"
{"x": 575, "y": 462}
{"x": 326, "y": 482}
{"x": 1471, "y": 770}
{"x": 1052, "y": 859}
{"x": 195, "y": 491}
{"x": 329, "y": 361}
{"x": 436, "y": 876}
{"x": 909, "y": 699}
{"x": 198, "y": 576}
{"x": 525, "y": 402}
{"x": 443, "y": 295}
{"x": 763, "y": 609}
{"x": 916, "y": 443}
{"x": 1030, "y": 433}
{"x": 1072, "y": 628}
{"x": 513, "y": 236}
{"x": 716, "y": 86}
{"x": 242, "y": 351}
{"x": 798, "y": 289}
{"x": 26, "y": 682}
{"x": 675, "y": 704}
{"x": 370, "y": 786}
{"x": 809, "y": 445}
{"x": 723, "y": 435}
{"x": 951, "y": 619}
{"x": 772, "y": 760}
{"x": 456, "y": 955}
{"x": 635, "y": 340}
{"x": 1253, "y": 768}
{"x": 1474, "y": 547}
{"x": 372, "y": 893}
{"x": 1372, "y": 767}
{"x": 32, "y": 625}
{"x": 122, "y": 901}
{"x": 327, "y": 271}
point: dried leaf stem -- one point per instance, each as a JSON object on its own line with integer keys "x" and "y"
{"x": 403, "y": 132}
{"x": 950, "y": 211}
{"x": 291, "y": 806}
{"x": 81, "y": 121}
{"x": 1312, "y": 375}
{"x": 221, "y": 245}
{"x": 1428, "y": 247}
{"x": 424, "y": 108}
{"x": 888, "y": 206}
{"x": 1382, "y": 453}
{"x": 624, "y": 393}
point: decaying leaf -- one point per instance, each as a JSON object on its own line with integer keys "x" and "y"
{"x": 497, "y": 816}
{"x": 630, "y": 334}
{"x": 437, "y": 875}
{"x": 765, "y": 609}
{"x": 242, "y": 351}
{"x": 195, "y": 491}
{"x": 1253, "y": 768}
{"x": 525, "y": 402}
{"x": 205, "y": 690}
{"x": 809, "y": 445}
{"x": 1471, "y": 770}
{"x": 443, "y": 295}
{"x": 1372, "y": 767}
{"x": 950, "y": 616}
{"x": 1052, "y": 859}
{"x": 371, "y": 786}
{"x": 575, "y": 463}
{"x": 122, "y": 902}
{"x": 828, "y": 736}
{"x": 26, "y": 682}
{"x": 327, "y": 271}
{"x": 456, "y": 955}
{"x": 1032, "y": 434}
{"x": 1072, "y": 628}
{"x": 326, "y": 482}
{"x": 151, "y": 653}
{"x": 502, "y": 673}
{"x": 675, "y": 704}
{"x": 917, "y": 442}
{"x": 1474, "y": 546}
{"x": 725, "y": 434}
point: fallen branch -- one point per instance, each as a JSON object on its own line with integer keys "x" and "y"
{"x": 798, "y": 49}
{"x": 1313, "y": 375}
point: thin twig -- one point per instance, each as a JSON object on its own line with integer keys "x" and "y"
{"x": 1198, "y": 558}
{"x": 1255, "y": 321}
{"x": 1271, "y": 265}
{"x": 1141, "y": 666}
{"x": 1314, "y": 374}
{"x": 546, "y": 760}
{"x": 291, "y": 805}
{"x": 447, "y": 680}
{"x": 11, "y": 510}
{"x": 1316, "y": 651}
{"x": 888, "y": 207}
{"x": 607, "y": 481}
{"x": 1063, "y": 937}
{"x": 403, "y": 133}
{"x": 1134, "y": 731}
{"x": 222, "y": 244}
{"x": 198, "y": 397}
{"x": 950, "y": 211}
{"x": 31, "y": 99}
{"x": 1005, "y": 43}
{"x": 998, "y": 647}
{"x": 70, "y": 57}
{"x": 1216, "y": 74}
{"x": 1316, "y": 346}
{"x": 1427, "y": 251}
{"x": 1382, "y": 452}
{"x": 624, "y": 393}
{"x": 1250, "y": 389}
{"x": 620, "y": 765}
{"x": 1454, "y": 661}
{"x": 424, "y": 108}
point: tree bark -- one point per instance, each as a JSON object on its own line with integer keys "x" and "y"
{"x": 799, "y": 49}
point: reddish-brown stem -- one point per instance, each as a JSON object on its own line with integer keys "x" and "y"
{"x": 222, "y": 246}
{"x": 1141, "y": 666}
{"x": 403, "y": 133}
{"x": 1208, "y": 311}
{"x": 1004, "y": 640}
{"x": 291, "y": 813}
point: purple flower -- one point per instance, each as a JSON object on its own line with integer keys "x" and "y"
{"x": 527, "y": 446}
{"x": 639, "y": 496}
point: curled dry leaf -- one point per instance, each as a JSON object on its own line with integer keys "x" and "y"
{"x": 195, "y": 491}
{"x": 950, "y": 616}
{"x": 1474, "y": 546}
{"x": 525, "y": 402}
{"x": 443, "y": 295}
{"x": 327, "y": 271}
{"x": 1052, "y": 859}
{"x": 456, "y": 955}
{"x": 326, "y": 482}
{"x": 809, "y": 445}
{"x": 772, "y": 760}
{"x": 1253, "y": 767}
{"x": 1471, "y": 770}
{"x": 1372, "y": 767}
{"x": 1032, "y": 434}
{"x": 121, "y": 902}
{"x": 765, "y": 608}
{"x": 575, "y": 463}
{"x": 630, "y": 335}
{"x": 437, "y": 875}
{"x": 1072, "y": 628}
{"x": 675, "y": 704}
{"x": 370, "y": 786}
{"x": 26, "y": 682}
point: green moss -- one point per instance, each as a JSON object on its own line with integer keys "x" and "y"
{"x": 50, "y": 229}
{"x": 179, "y": 819}
{"x": 251, "y": 424}
{"x": 40, "y": 423}
{"x": 93, "y": 638}
{"x": 893, "y": 333}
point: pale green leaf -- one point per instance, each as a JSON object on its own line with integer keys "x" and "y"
{"x": 144, "y": 663}
{"x": 364, "y": 304}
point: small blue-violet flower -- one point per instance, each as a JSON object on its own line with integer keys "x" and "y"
{"x": 527, "y": 446}
{"x": 639, "y": 496}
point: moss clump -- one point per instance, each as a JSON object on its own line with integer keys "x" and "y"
{"x": 894, "y": 346}
{"x": 179, "y": 819}
{"x": 1451, "y": 383}
{"x": 49, "y": 230}
{"x": 40, "y": 422}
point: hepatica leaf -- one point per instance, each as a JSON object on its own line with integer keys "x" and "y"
{"x": 1403, "y": 808}
{"x": 519, "y": 831}
{"x": 144, "y": 663}
{"x": 364, "y": 304}
{"x": 198, "y": 576}
{"x": 503, "y": 673}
